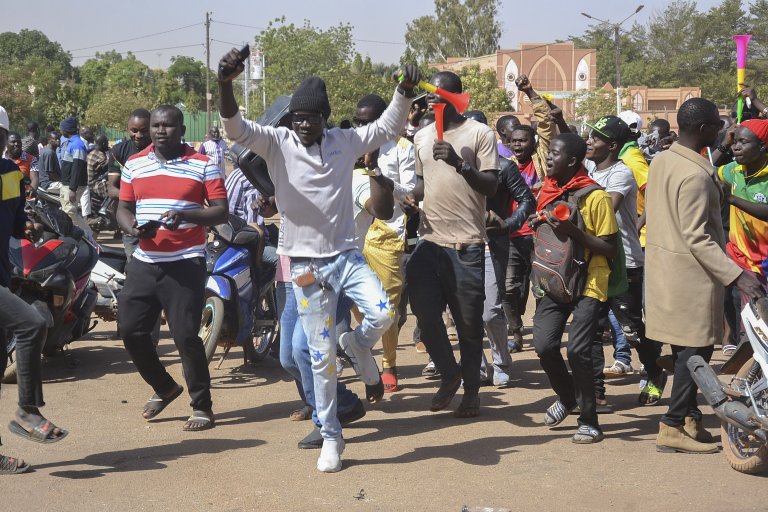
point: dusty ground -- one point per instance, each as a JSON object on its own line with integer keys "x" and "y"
{"x": 399, "y": 457}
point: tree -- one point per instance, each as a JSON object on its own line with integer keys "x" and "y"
{"x": 188, "y": 77}
{"x": 459, "y": 28}
{"x": 16, "y": 48}
{"x": 592, "y": 105}
{"x": 485, "y": 95}
{"x": 293, "y": 53}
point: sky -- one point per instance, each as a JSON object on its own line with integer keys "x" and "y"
{"x": 161, "y": 29}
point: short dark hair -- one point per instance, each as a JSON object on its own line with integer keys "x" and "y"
{"x": 12, "y": 134}
{"x": 140, "y": 113}
{"x": 452, "y": 79}
{"x": 175, "y": 111}
{"x": 525, "y": 128}
{"x": 476, "y": 115}
{"x": 374, "y": 102}
{"x": 101, "y": 138}
{"x": 575, "y": 146}
{"x": 53, "y": 134}
{"x": 33, "y": 126}
{"x": 503, "y": 120}
{"x": 695, "y": 112}
{"x": 663, "y": 124}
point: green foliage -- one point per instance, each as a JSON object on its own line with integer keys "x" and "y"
{"x": 16, "y": 48}
{"x": 293, "y": 53}
{"x": 485, "y": 95}
{"x": 459, "y": 28}
{"x": 683, "y": 46}
{"x": 592, "y": 105}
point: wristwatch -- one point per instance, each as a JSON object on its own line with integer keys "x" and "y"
{"x": 375, "y": 172}
{"x": 723, "y": 149}
{"x": 464, "y": 168}
{"x": 405, "y": 92}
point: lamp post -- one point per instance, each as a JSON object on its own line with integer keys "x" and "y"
{"x": 617, "y": 48}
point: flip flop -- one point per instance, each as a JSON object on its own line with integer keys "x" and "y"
{"x": 43, "y": 432}
{"x": 156, "y": 403}
{"x": 11, "y": 466}
{"x": 390, "y": 382}
{"x": 204, "y": 419}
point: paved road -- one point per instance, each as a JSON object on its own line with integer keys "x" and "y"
{"x": 399, "y": 457}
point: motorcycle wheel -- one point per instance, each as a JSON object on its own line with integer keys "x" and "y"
{"x": 744, "y": 452}
{"x": 266, "y": 336}
{"x": 258, "y": 349}
{"x": 211, "y": 325}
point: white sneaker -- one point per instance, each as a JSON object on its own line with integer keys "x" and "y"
{"x": 340, "y": 365}
{"x": 618, "y": 369}
{"x": 361, "y": 358}
{"x": 330, "y": 455}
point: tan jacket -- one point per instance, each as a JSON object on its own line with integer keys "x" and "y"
{"x": 546, "y": 132}
{"x": 686, "y": 268}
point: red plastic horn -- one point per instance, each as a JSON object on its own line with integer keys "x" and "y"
{"x": 561, "y": 211}
{"x": 459, "y": 101}
{"x": 439, "y": 109}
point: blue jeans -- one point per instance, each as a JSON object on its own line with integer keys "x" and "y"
{"x": 346, "y": 273}
{"x": 295, "y": 358}
{"x": 621, "y": 348}
{"x": 494, "y": 320}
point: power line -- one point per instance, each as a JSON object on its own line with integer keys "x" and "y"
{"x": 141, "y": 51}
{"x": 135, "y": 38}
{"x": 264, "y": 28}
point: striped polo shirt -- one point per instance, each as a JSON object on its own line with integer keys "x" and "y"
{"x": 180, "y": 184}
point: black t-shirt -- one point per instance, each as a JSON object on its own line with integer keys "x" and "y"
{"x": 120, "y": 153}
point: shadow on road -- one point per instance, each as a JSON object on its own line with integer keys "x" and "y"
{"x": 145, "y": 459}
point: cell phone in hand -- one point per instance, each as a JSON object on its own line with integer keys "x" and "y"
{"x": 244, "y": 53}
{"x": 149, "y": 226}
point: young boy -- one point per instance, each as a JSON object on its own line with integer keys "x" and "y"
{"x": 566, "y": 175}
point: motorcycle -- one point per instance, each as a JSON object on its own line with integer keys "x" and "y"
{"x": 53, "y": 275}
{"x": 240, "y": 308}
{"x": 109, "y": 277}
{"x": 742, "y": 405}
{"x": 105, "y": 207}
{"x": 236, "y": 312}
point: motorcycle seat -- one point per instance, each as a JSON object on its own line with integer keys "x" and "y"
{"x": 111, "y": 252}
{"x": 84, "y": 260}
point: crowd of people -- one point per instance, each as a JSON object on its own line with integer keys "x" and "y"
{"x": 617, "y": 229}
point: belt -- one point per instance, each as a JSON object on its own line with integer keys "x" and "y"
{"x": 459, "y": 245}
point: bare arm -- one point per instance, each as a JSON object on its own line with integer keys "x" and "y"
{"x": 757, "y": 210}
{"x": 381, "y": 204}
{"x": 217, "y": 212}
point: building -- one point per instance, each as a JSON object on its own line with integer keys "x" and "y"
{"x": 559, "y": 69}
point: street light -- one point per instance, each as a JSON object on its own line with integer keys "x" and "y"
{"x": 617, "y": 47}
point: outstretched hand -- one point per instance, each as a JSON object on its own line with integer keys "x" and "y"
{"x": 230, "y": 66}
{"x": 408, "y": 76}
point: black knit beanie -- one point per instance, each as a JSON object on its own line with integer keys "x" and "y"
{"x": 311, "y": 96}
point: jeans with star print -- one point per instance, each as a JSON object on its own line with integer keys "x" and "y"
{"x": 294, "y": 353}
{"x": 346, "y": 273}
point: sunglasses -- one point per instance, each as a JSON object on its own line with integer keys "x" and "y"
{"x": 309, "y": 118}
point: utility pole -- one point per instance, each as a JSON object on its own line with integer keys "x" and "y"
{"x": 247, "y": 85}
{"x": 616, "y": 42}
{"x": 617, "y": 49}
{"x": 208, "y": 70}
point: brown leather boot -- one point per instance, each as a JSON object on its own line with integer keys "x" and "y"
{"x": 696, "y": 430}
{"x": 675, "y": 439}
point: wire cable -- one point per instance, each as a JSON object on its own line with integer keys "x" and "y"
{"x": 136, "y": 38}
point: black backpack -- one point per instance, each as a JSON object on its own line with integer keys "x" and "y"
{"x": 559, "y": 267}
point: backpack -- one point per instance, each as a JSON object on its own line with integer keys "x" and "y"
{"x": 559, "y": 267}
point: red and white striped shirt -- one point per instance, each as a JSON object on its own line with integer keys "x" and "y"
{"x": 180, "y": 184}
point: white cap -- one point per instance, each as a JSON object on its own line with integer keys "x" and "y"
{"x": 4, "y": 122}
{"x": 632, "y": 118}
